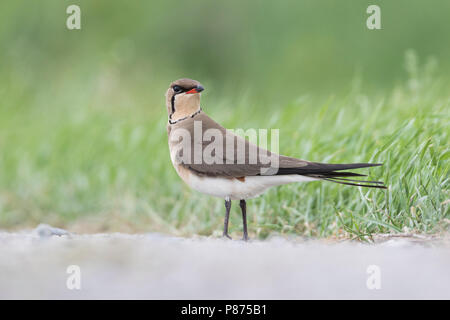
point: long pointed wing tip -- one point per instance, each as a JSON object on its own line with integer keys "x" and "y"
{"x": 377, "y": 164}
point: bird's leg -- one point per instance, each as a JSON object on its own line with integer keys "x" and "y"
{"x": 227, "y": 217}
{"x": 243, "y": 205}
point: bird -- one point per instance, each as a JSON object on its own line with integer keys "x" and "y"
{"x": 235, "y": 175}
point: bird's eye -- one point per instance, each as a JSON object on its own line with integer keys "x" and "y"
{"x": 177, "y": 89}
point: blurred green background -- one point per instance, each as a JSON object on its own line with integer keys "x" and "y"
{"x": 82, "y": 115}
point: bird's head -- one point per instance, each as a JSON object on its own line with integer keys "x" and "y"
{"x": 183, "y": 98}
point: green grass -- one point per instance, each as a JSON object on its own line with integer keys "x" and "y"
{"x": 88, "y": 166}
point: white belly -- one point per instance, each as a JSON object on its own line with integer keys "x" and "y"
{"x": 236, "y": 189}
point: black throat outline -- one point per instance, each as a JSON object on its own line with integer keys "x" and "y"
{"x": 191, "y": 116}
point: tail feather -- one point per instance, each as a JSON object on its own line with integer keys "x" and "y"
{"x": 341, "y": 174}
{"x": 364, "y": 181}
{"x": 333, "y": 173}
{"x": 323, "y": 168}
{"x": 360, "y": 184}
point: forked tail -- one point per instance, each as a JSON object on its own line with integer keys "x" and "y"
{"x": 333, "y": 173}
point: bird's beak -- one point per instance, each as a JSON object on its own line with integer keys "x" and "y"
{"x": 197, "y": 89}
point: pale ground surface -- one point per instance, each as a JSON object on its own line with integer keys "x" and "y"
{"x": 33, "y": 264}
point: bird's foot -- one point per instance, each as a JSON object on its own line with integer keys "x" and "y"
{"x": 225, "y": 235}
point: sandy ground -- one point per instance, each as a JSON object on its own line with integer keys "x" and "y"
{"x": 34, "y": 264}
